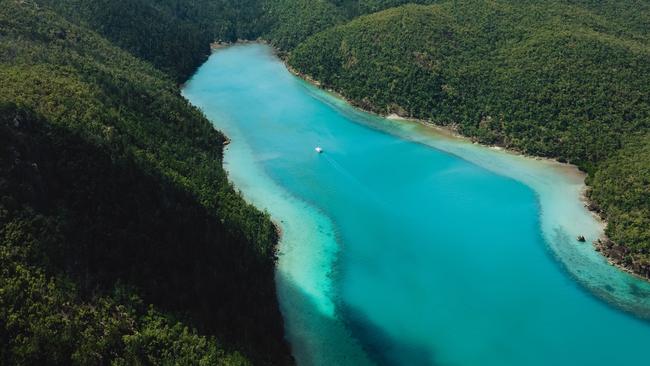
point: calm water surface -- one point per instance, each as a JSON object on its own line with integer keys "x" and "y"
{"x": 405, "y": 247}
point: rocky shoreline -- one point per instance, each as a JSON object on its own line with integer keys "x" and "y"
{"x": 622, "y": 258}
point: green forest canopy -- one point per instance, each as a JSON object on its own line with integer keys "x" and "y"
{"x": 112, "y": 194}
{"x": 122, "y": 241}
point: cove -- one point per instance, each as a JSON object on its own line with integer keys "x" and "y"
{"x": 402, "y": 246}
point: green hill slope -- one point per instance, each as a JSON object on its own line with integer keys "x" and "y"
{"x": 562, "y": 80}
{"x": 173, "y": 35}
{"x": 286, "y": 23}
{"x": 121, "y": 240}
{"x": 621, "y": 186}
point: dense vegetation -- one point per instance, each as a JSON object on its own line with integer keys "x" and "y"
{"x": 291, "y": 21}
{"x": 621, "y": 185}
{"x": 174, "y": 35}
{"x": 569, "y": 80}
{"x": 286, "y": 23}
{"x": 121, "y": 240}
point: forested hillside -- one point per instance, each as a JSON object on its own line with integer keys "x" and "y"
{"x": 174, "y": 35}
{"x": 621, "y": 185}
{"x": 286, "y": 23}
{"x": 121, "y": 240}
{"x": 569, "y": 80}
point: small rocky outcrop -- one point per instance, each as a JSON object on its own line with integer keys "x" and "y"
{"x": 622, "y": 257}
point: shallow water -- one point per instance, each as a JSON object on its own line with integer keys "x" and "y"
{"x": 403, "y": 246}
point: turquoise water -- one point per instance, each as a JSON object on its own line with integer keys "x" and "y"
{"x": 402, "y": 246}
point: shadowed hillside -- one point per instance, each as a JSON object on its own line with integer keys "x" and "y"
{"x": 174, "y": 35}
{"x": 122, "y": 240}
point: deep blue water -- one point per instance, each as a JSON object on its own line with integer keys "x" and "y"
{"x": 397, "y": 252}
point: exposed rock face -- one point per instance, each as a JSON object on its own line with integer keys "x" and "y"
{"x": 622, "y": 257}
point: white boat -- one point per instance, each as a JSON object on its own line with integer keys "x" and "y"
{"x": 319, "y": 149}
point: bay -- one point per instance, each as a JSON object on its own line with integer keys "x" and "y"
{"x": 402, "y": 245}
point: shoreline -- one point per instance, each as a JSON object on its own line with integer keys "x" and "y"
{"x": 301, "y": 290}
{"x": 612, "y": 252}
{"x": 450, "y": 131}
{"x": 615, "y": 256}
{"x": 294, "y": 261}
{"x": 606, "y": 248}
